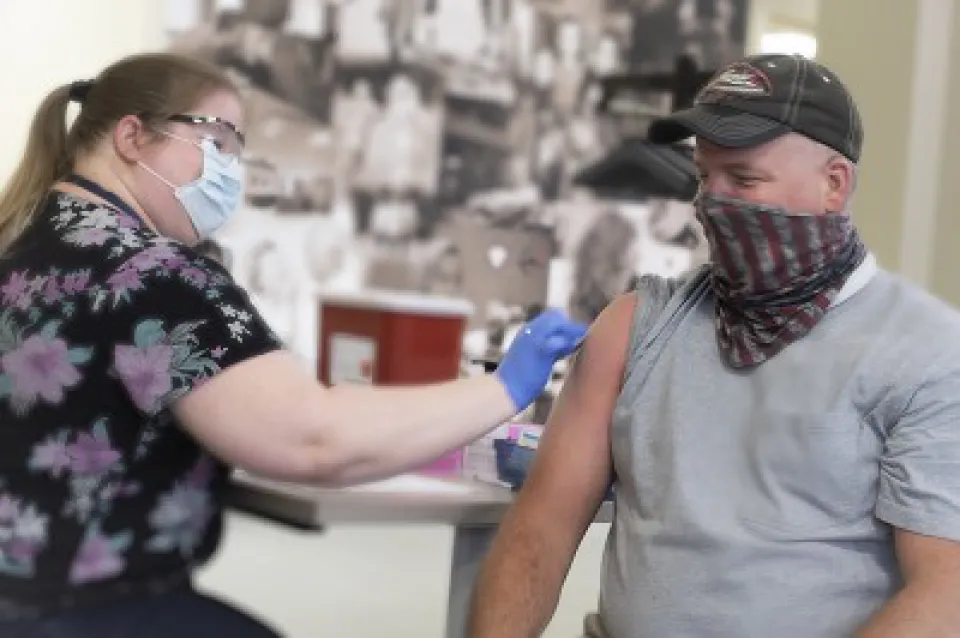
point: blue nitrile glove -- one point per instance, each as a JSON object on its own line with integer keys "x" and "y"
{"x": 526, "y": 367}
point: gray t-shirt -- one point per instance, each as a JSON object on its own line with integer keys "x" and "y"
{"x": 759, "y": 503}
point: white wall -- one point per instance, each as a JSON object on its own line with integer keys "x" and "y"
{"x": 47, "y": 43}
{"x": 801, "y": 14}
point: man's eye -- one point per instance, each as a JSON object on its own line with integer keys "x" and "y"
{"x": 745, "y": 182}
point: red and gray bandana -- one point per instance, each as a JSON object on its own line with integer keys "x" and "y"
{"x": 775, "y": 273}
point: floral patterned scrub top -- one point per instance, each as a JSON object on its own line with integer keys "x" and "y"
{"x": 103, "y": 325}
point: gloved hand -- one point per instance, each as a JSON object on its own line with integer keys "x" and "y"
{"x": 526, "y": 367}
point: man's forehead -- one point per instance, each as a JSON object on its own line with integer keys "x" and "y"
{"x": 788, "y": 145}
{"x": 705, "y": 150}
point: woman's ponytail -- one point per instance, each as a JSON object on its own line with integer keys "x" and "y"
{"x": 45, "y": 159}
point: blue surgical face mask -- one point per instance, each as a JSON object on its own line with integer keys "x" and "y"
{"x": 212, "y": 198}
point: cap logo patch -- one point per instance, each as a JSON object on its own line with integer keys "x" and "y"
{"x": 738, "y": 79}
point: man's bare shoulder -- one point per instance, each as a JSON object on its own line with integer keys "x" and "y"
{"x": 609, "y": 336}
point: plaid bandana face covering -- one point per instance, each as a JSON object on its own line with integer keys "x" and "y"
{"x": 775, "y": 273}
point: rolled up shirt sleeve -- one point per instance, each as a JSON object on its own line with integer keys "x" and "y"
{"x": 919, "y": 488}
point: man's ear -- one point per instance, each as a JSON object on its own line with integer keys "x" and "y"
{"x": 130, "y": 136}
{"x": 841, "y": 176}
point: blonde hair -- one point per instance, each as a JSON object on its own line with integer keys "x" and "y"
{"x": 152, "y": 86}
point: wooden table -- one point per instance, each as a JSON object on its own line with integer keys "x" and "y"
{"x": 474, "y": 509}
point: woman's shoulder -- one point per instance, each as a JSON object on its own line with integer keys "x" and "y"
{"x": 94, "y": 228}
{"x": 124, "y": 260}
{"x": 84, "y": 263}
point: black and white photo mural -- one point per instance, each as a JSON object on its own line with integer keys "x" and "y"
{"x": 433, "y": 146}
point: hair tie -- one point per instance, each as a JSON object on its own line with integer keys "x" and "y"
{"x": 78, "y": 90}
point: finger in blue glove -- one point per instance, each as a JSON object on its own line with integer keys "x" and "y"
{"x": 527, "y": 365}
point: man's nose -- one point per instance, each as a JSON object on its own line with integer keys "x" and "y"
{"x": 715, "y": 185}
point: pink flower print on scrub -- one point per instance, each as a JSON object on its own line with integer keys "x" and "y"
{"x": 161, "y": 255}
{"x": 194, "y": 276}
{"x": 145, "y": 372}
{"x": 123, "y": 281}
{"x": 91, "y": 454}
{"x": 181, "y": 516}
{"x": 20, "y": 289}
{"x": 51, "y": 455}
{"x": 41, "y": 367}
{"x": 100, "y": 556}
{"x": 23, "y": 534}
{"x": 52, "y": 293}
{"x": 94, "y": 469}
{"x": 75, "y": 282}
{"x": 16, "y": 290}
{"x": 160, "y": 365}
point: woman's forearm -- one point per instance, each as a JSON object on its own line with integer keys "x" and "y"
{"x": 383, "y": 431}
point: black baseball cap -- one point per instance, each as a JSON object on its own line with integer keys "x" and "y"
{"x": 764, "y": 96}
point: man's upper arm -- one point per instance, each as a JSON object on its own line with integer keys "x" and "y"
{"x": 572, "y": 470}
{"x": 926, "y": 607}
{"x": 919, "y": 492}
{"x": 919, "y": 487}
{"x": 922, "y": 557}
